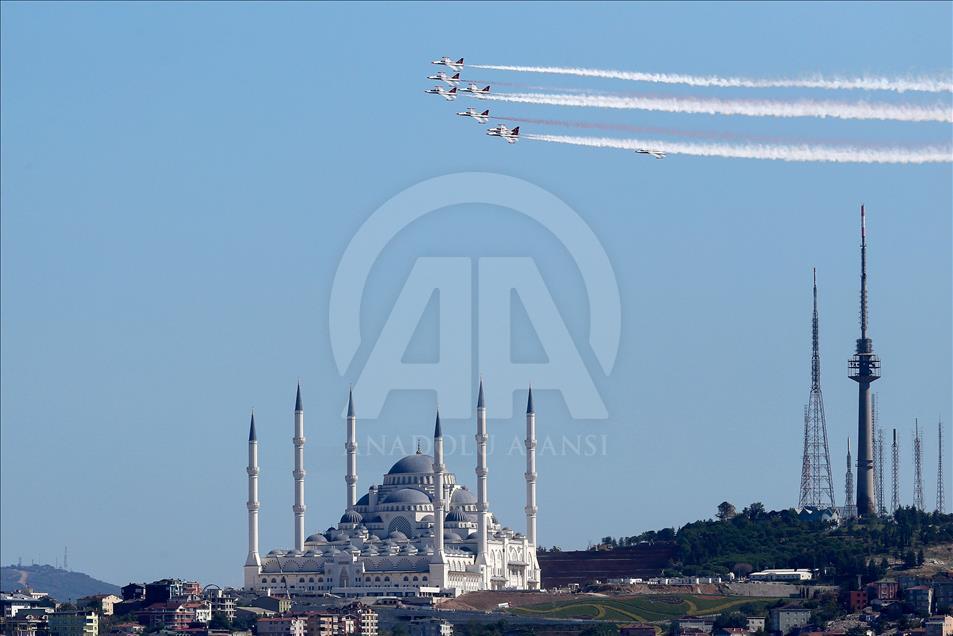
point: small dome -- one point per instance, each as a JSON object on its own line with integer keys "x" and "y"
{"x": 462, "y": 497}
{"x": 450, "y": 535}
{"x": 364, "y": 501}
{"x": 397, "y": 535}
{"x": 408, "y": 496}
{"x": 426, "y": 519}
{"x": 412, "y": 464}
{"x": 316, "y": 538}
{"x": 457, "y": 516}
{"x": 351, "y": 517}
{"x": 373, "y": 519}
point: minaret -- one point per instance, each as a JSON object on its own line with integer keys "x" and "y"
{"x": 483, "y": 506}
{"x": 351, "y": 447}
{"x": 864, "y": 368}
{"x": 817, "y": 483}
{"x": 253, "y": 562}
{"x": 850, "y": 511}
{"x": 530, "y": 470}
{"x": 299, "y": 472}
{"x": 438, "y": 497}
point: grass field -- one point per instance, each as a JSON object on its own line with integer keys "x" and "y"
{"x": 644, "y": 609}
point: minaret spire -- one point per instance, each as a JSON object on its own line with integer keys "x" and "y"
{"x": 864, "y": 368}
{"x": 530, "y": 474}
{"x": 817, "y": 483}
{"x": 350, "y": 478}
{"x": 253, "y": 562}
{"x": 438, "y": 491}
{"x": 299, "y": 472}
{"x": 483, "y": 505}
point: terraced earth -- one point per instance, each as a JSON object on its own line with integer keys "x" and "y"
{"x": 643, "y": 609}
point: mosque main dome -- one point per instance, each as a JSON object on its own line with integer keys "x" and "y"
{"x": 418, "y": 463}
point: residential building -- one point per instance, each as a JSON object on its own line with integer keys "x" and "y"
{"x": 939, "y": 626}
{"x": 919, "y": 598}
{"x": 15, "y": 602}
{"x": 756, "y": 623}
{"x": 883, "y": 590}
{"x": 689, "y": 624}
{"x": 191, "y": 588}
{"x": 784, "y": 619}
{"x": 223, "y": 603}
{"x": 102, "y": 603}
{"x": 730, "y": 631}
{"x": 365, "y": 619}
{"x": 637, "y": 629}
{"x": 278, "y": 604}
{"x": 125, "y": 629}
{"x": 27, "y": 623}
{"x": 857, "y": 600}
{"x": 176, "y": 615}
{"x": 282, "y": 626}
{"x": 133, "y": 592}
{"x": 430, "y": 627}
{"x": 943, "y": 593}
{"x": 77, "y": 623}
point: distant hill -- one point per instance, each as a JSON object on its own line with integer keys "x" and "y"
{"x": 62, "y": 585}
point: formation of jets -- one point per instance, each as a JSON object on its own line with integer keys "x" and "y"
{"x": 511, "y": 135}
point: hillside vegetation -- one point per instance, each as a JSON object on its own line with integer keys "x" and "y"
{"x": 62, "y": 585}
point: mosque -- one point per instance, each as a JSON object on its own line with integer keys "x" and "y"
{"x": 418, "y": 533}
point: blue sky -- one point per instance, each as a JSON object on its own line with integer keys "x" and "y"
{"x": 181, "y": 180}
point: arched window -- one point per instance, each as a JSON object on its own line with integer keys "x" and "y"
{"x": 301, "y": 579}
{"x": 264, "y": 580}
{"x": 387, "y": 579}
{"x": 416, "y": 579}
{"x": 406, "y": 578}
{"x": 273, "y": 580}
{"x": 377, "y": 579}
{"x": 320, "y": 579}
{"x": 310, "y": 579}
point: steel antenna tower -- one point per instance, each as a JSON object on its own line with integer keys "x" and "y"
{"x": 940, "y": 503}
{"x": 817, "y": 483}
{"x": 864, "y": 368}
{"x": 878, "y": 463}
{"x": 850, "y": 510}
{"x": 881, "y": 501}
{"x": 917, "y": 468}
{"x": 895, "y": 493}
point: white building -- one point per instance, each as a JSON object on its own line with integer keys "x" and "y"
{"x": 418, "y": 533}
{"x": 781, "y": 575}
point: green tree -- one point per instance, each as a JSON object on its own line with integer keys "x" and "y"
{"x": 726, "y": 511}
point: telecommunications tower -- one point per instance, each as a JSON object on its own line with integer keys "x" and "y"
{"x": 817, "y": 485}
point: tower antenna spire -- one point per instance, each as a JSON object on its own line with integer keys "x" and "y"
{"x": 940, "y": 503}
{"x": 817, "y": 483}
{"x": 864, "y": 368}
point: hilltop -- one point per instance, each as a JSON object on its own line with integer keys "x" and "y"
{"x": 62, "y": 585}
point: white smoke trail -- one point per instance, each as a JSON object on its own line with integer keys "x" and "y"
{"x": 897, "y": 84}
{"x": 749, "y": 108}
{"x": 835, "y": 154}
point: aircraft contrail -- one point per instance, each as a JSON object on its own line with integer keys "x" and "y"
{"x": 749, "y": 108}
{"x": 835, "y": 154}
{"x": 897, "y": 84}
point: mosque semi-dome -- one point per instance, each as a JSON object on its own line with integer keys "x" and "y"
{"x": 408, "y": 496}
